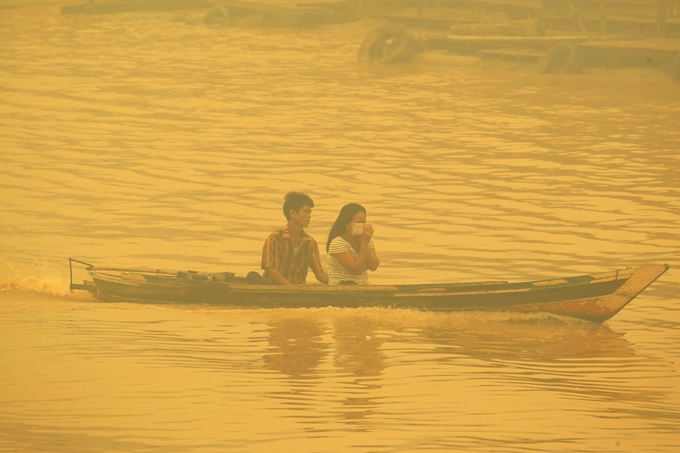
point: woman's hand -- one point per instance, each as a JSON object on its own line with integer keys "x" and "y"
{"x": 368, "y": 231}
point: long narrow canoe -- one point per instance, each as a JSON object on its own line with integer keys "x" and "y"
{"x": 124, "y": 6}
{"x": 594, "y": 297}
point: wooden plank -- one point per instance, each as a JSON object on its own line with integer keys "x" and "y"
{"x": 512, "y": 54}
{"x": 251, "y": 6}
{"x": 128, "y": 6}
{"x": 513, "y": 39}
{"x": 432, "y": 14}
{"x": 632, "y": 19}
{"x": 527, "y": 4}
{"x": 665, "y": 45}
{"x": 617, "y": 3}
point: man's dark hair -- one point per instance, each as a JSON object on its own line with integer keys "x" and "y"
{"x": 295, "y": 201}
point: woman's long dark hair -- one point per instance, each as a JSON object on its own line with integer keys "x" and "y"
{"x": 346, "y": 215}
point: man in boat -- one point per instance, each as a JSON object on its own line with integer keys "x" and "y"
{"x": 289, "y": 252}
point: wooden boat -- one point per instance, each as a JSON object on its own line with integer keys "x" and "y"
{"x": 594, "y": 297}
{"x": 124, "y": 6}
{"x": 232, "y": 12}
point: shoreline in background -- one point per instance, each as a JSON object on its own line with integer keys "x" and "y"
{"x": 16, "y": 4}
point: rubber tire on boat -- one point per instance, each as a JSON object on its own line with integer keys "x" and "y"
{"x": 562, "y": 58}
{"x": 673, "y": 69}
{"x": 218, "y": 15}
{"x": 388, "y": 44}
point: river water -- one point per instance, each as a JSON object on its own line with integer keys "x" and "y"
{"x": 147, "y": 140}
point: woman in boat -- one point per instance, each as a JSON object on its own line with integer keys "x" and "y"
{"x": 350, "y": 247}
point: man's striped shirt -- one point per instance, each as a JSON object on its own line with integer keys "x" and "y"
{"x": 278, "y": 252}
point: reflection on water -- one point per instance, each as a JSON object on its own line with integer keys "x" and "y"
{"x": 296, "y": 347}
{"x": 358, "y": 346}
{"x": 299, "y": 346}
{"x": 543, "y": 341}
{"x": 333, "y": 372}
{"x": 378, "y": 357}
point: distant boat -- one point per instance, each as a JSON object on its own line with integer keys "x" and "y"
{"x": 121, "y": 6}
{"x": 593, "y": 297}
{"x": 233, "y": 12}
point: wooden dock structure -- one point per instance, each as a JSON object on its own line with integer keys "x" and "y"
{"x": 556, "y": 36}
{"x": 659, "y": 18}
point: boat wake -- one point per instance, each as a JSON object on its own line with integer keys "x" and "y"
{"x": 36, "y": 278}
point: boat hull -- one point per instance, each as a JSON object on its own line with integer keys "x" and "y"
{"x": 593, "y": 297}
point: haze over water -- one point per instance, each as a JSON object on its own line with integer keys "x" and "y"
{"x": 139, "y": 140}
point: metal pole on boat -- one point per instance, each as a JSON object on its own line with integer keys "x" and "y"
{"x": 70, "y": 269}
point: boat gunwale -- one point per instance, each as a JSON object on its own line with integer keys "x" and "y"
{"x": 171, "y": 280}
